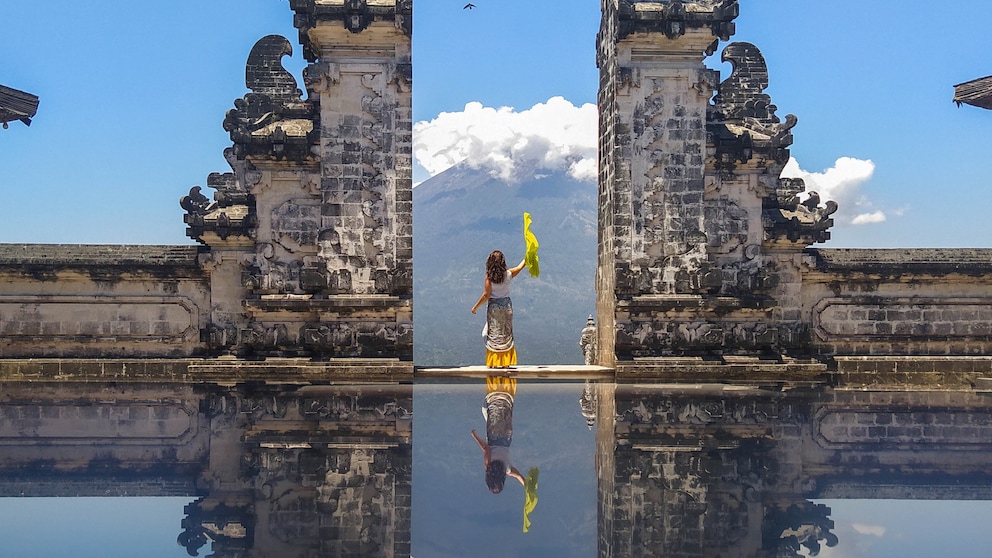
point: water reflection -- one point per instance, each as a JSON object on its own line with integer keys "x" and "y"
{"x": 272, "y": 470}
{"x": 306, "y": 469}
{"x": 497, "y": 410}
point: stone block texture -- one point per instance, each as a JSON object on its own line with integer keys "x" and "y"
{"x": 704, "y": 249}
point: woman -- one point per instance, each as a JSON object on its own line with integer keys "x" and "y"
{"x": 500, "y": 352}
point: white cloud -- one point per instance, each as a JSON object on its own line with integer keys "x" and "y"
{"x": 842, "y": 183}
{"x": 552, "y": 136}
{"x": 874, "y": 530}
{"x": 866, "y": 218}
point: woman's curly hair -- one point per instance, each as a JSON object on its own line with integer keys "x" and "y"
{"x": 496, "y": 267}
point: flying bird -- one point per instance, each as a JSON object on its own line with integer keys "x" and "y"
{"x": 469, "y": 6}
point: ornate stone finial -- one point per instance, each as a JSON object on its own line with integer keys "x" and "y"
{"x": 745, "y": 124}
{"x": 746, "y": 132}
{"x": 742, "y": 95}
{"x": 587, "y": 404}
{"x": 804, "y": 222}
{"x": 357, "y": 17}
{"x": 587, "y": 341}
{"x": 195, "y": 202}
{"x": 273, "y": 120}
{"x": 264, "y": 73}
{"x": 800, "y": 527}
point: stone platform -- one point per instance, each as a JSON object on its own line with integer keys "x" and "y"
{"x": 528, "y": 371}
{"x": 204, "y": 370}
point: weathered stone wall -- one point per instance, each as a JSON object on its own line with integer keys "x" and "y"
{"x": 106, "y": 301}
{"x": 614, "y": 180}
{"x": 923, "y": 302}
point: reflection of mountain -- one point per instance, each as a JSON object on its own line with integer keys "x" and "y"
{"x": 455, "y": 515}
{"x": 460, "y": 216}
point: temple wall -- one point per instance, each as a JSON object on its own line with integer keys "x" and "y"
{"x": 898, "y": 302}
{"x": 101, "y": 301}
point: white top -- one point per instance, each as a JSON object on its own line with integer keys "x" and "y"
{"x": 501, "y": 290}
{"x": 500, "y": 453}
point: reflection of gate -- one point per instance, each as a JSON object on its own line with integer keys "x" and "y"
{"x": 306, "y": 247}
{"x": 299, "y": 469}
{"x": 704, "y": 472}
{"x": 275, "y": 469}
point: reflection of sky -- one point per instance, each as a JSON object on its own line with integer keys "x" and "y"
{"x": 456, "y": 515}
{"x": 92, "y": 527}
{"x": 909, "y": 528}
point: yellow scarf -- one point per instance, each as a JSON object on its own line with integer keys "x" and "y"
{"x": 530, "y": 495}
{"x": 531, "y": 241}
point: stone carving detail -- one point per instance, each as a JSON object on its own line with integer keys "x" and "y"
{"x": 673, "y": 413}
{"x": 272, "y": 120}
{"x": 257, "y": 336}
{"x": 744, "y": 121}
{"x": 644, "y": 338}
{"x": 799, "y": 526}
{"x": 358, "y": 230}
{"x": 675, "y": 17}
{"x": 295, "y": 225}
{"x": 355, "y": 15}
{"x": 195, "y": 202}
{"x": 726, "y": 225}
{"x": 223, "y": 217}
{"x": 745, "y": 133}
{"x": 355, "y": 339}
{"x": 588, "y": 403}
{"x": 220, "y": 336}
{"x": 804, "y": 222}
{"x": 354, "y": 408}
{"x": 228, "y": 527}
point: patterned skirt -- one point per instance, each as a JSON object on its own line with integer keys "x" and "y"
{"x": 500, "y": 351}
{"x": 498, "y": 410}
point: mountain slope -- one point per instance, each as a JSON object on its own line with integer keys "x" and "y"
{"x": 463, "y": 214}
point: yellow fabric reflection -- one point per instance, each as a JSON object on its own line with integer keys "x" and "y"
{"x": 501, "y": 383}
{"x": 530, "y": 495}
{"x": 530, "y": 257}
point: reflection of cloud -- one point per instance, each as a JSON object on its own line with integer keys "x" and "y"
{"x": 841, "y": 183}
{"x": 551, "y": 136}
{"x": 874, "y": 530}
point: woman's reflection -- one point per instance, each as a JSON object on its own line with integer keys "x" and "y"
{"x": 498, "y": 412}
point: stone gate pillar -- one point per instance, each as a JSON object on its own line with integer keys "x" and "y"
{"x": 361, "y": 74}
{"x": 653, "y": 98}
{"x": 700, "y": 239}
{"x": 309, "y": 241}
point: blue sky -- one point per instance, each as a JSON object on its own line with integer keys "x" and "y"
{"x": 133, "y": 95}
